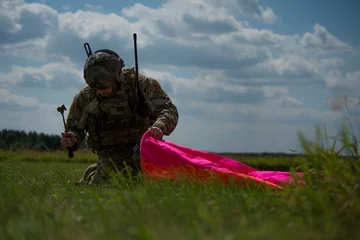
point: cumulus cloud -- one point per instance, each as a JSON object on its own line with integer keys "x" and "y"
{"x": 206, "y": 95}
{"x": 253, "y": 8}
{"x": 50, "y": 121}
{"x": 287, "y": 101}
{"x": 59, "y": 75}
{"x": 28, "y": 114}
{"x": 214, "y": 87}
{"x": 197, "y": 28}
{"x": 247, "y": 8}
{"x": 321, "y": 39}
{"x": 200, "y": 34}
{"x": 209, "y": 59}
{"x": 270, "y": 112}
{"x": 211, "y": 96}
{"x": 19, "y": 22}
{"x": 236, "y": 136}
{"x": 10, "y": 100}
{"x": 92, "y": 7}
{"x": 177, "y": 25}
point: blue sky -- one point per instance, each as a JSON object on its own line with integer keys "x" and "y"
{"x": 245, "y": 75}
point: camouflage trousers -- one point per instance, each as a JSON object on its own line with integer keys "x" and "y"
{"x": 123, "y": 161}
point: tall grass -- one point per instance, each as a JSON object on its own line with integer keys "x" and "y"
{"x": 332, "y": 181}
{"x": 38, "y": 200}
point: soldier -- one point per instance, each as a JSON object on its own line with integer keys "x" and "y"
{"x": 116, "y": 110}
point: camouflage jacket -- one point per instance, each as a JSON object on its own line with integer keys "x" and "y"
{"x": 160, "y": 106}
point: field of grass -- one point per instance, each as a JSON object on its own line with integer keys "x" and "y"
{"x": 38, "y": 200}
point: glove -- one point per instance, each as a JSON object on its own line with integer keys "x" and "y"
{"x": 67, "y": 140}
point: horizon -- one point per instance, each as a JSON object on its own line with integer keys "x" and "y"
{"x": 246, "y": 75}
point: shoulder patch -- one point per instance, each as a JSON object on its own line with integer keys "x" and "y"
{"x": 156, "y": 87}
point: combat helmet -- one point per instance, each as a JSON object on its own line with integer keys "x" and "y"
{"x": 102, "y": 69}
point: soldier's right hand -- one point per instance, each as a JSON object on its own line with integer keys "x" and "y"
{"x": 67, "y": 139}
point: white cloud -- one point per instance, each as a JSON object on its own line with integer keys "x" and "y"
{"x": 287, "y": 101}
{"x": 13, "y": 101}
{"x": 178, "y": 23}
{"x": 247, "y": 8}
{"x": 238, "y": 73}
{"x": 31, "y": 49}
{"x": 92, "y": 7}
{"x": 220, "y": 100}
{"x": 28, "y": 114}
{"x": 213, "y": 135}
{"x": 222, "y": 42}
{"x": 199, "y": 96}
{"x": 20, "y": 22}
{"x": 40, "y": 119}
{"x": 323, "y": 40}
{"x": 60, "y": 75}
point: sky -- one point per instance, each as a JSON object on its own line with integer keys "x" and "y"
{"x": 245, "y": 75}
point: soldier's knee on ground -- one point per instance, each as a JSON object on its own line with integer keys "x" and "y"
{"x": 88, "y": 173}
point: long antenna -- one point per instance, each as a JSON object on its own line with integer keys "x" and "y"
{"x": 136, "y": 55}
{"x": 136, "y": 63}
{"x": 139, "y": 96}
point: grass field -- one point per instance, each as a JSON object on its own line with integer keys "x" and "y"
{"x": 39, "y": 201}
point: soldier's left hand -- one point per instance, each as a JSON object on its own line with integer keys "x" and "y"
{"x": 156, "y": 132}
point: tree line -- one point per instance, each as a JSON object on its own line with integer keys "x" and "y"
{"x": 15, "y": 140}
{"x": 18, "y": 140}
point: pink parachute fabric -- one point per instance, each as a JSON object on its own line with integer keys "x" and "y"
{"x": 166, "y": 160}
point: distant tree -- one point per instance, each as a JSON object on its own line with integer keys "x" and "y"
{"x": 41, "y": 146}
{"x": 20, "y": 140}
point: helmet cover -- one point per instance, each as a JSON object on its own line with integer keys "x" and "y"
{"x": 102, "y": 69}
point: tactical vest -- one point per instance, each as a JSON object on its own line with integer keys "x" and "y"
{"x": 119, "y": 121}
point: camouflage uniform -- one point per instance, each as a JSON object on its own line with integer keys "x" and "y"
{"x": 116, "y": 124}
